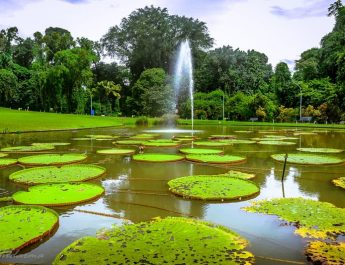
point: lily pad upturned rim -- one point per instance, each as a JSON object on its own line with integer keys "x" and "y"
{"x": 211, "y": 143}
{"x": 161, "y": 144}
{"x": 17, "y": 176}
{"x": 150, "y": 157}
{"x": 171, "y": 237}
{"x": 222, "y": 136}
{"x": 28, "y": 148}
{"x": 319, "y": 252}
{"x": 179, "y": 186}
{"x": 312, "y": 159}
{"x": 52, "y": 143}
{"x": 129, "y": 142}
{"x": 23, "y": 197}
{"x": 5, "y": 162}
{"x": 116, "y": 151}
{"x": 216, "y": 159}
{"x": 35, "y": 238}
{"x": 237, "y": 141}
{"x": 3, "y": 155}
{"x": 200, "y": 151}
{"x": 321, "y": 150}
{"x": 275, "y": 142}
{"x": 77, "y": 158}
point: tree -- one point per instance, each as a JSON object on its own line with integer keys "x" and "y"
{"x": 334, "y": 8}
{"x": 149, "y": 37}
{"x": 23, "y": 52}
{"x": 282, "y": 84}
{"x": 7, "y": 38}
{"x": 307, "y": 68}
{"x": 8, "y": 87}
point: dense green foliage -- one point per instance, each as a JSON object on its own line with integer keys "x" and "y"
{"x": 53, "y": 71}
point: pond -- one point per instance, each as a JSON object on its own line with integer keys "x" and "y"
{"x": 138, "y": 191}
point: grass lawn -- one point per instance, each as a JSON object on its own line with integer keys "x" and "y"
{"x": 20, "y": 121}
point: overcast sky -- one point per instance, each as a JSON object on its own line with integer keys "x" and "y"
{"x": 282, "y": 29}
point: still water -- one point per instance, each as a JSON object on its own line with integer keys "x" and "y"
{"x": 137, "y": 191}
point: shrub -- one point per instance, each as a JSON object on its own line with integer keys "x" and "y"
{"x": 142, "y": 121}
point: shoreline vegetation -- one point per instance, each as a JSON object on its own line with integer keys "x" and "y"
{"x": 14, "y": 121}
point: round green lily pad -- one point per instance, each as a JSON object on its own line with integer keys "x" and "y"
{"x": 340, "y": 182}
{"x": 144, "y": 136}
{"x": 216, "y": 159}
{"x": 308, "y": 159}
{"x": 23, "y": 225}
{"x": 161, "y": 144}
{"x": 213, "y": 187}
{"x": 321, "y": 150}
{"x": 53, "y": 144}
{"x": 243, "y": 131}
{"x": 315, "y": 219}
{"x": 51, "y": 159}
{"x": 129, "y": 142}
{"x": 101, "y": 136}
{"x": 238, "y": 174}
{"x": 173, "y": 240}
{"x": 157, "y": 157}
{"x": 58, "y": 194}
{"x": 52, "y": 174}
{"x": 237, "y": 141}
{"x": 210, "y": 144}
{"x": 200, "y": 151}
{"x": 221, "y": 136}
{"x": 81, "y": 139}
{"x": 116, "y": 151}
{"x": 3, "y": 155}
{"x": 326, "y": 253}
{"x": 304, "y": 133}
{"x": 274, "y": 142}
{"x": 29, "y": 148}
{"x": 4, "y": 162}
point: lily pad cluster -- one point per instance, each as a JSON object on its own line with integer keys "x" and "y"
{"x": 157, "y": 157}
{"x": 321, "y": 150}
{"x": 315, "y": 219}
{"x": 28, "y": 148}
{"x": 52, "y": 174}
{"x": 326, "y": 253}
{"x": 217, "y": 187}
{"x": 340, "y": 182}
{"x": 116, "y": 151}
{"x": 23, "y": 225}
{"x": 51, "y": 159}
{"x": 171, "y": 240}
{"x": 275, "y": 142}
{"x": 58, "y": 194}
{"x": 216, "y": 159}
{"x": 4, "y": 162}
{"x": 202, "y": 151}
{"x": 308, "y": 159}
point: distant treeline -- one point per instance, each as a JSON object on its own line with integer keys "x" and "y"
{"x": 52, "y": 71}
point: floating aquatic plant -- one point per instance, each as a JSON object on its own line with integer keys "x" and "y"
{"x": 340, "y": 182}
{"x": 3, "y": 155}
{"x": 58, "y": 194}
{"x": 314, "y": 219}
{"x": 308, "y": 159}
{"x": 321, "y": 150}
{"x": 217, "y": 187}
{"x": 51, "y": 159}
{"x": 216, "y": 159}
{"x": 102, "y": 136}
{"x": 326, "y": 253}
{"x": 237, "y": 141}
{"x": 157, "y": 157}
{"x": 304, "y": 133}
{"x": 23, "y": 225}
{"x": 81, "y": 139}
{"x": 4, "y": 162}
{"x": 173, "y": 240}
{"x": 200, "y": 151}
{"x": 28, "y": 148}
{"x": 129, "y": 142}
{"x": 275, "y": 142}
{"x": 238, "y": 174}
{"x": 52, "y": 174}
{"x": 210, "y": 144}
{"x": 53, "y": 144}
{"x": 221, "y": 136}
{"x": 116, "y": 151}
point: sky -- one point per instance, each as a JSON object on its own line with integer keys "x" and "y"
{"x": 282, "y": 29}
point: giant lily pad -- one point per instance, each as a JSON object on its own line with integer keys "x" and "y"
{"x": 52, "y": 143}
{"x": 315, "y": 219}
{"x": 326, "y": 253}
{"x": 51, "y": 159}
{"x": 173, "y": 240}
{"x": 273, "y": 142}
{"x": 210, "y": 144}
{"x": 216, "y": 159}
{"x": 238, "y": 174}
{"x": 340, "y": 182}
{"x": 129, "y": 142}
{"x": 201, "y": 151}
{"x": 321, "y": 150}
{"x": 161, "y": 143}
{"x": 58, "y": 194}
{"x": 221, "y": 136}
{"x": 144, "y": 136}
{"x": 28, "y": 148}
{"x": 237, "y": 141}
{"x": 213, "y": 187}
{"x": 4, "y": 162}
{"x": 23, "y": 225}
{"x": 101, "y": 136}
{"x": 3, "y": 155}
{"x": 157, "y": 157}
{"x": 51, "y": 174}
{"x": 308, "y": 159}
{"x": 304, "y": 133}
{"x": 116, "y": 151}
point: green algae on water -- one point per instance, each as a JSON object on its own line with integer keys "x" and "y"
{"x": 321, "y": 150}
{"x": 216, "y": 159}
{"x": 116, "y": 151}
{"x": 201, "y": 151}
{"x": 326, "y": 253}
{"x": 52, "y": 174}
{"x": 23, "y": 225}
{"x": 217, "y": 187}
{"x": 173, "y": 240}
{"x": 58, "y": 194}
{"x": 314, "y": 219}
{"x": 157, "y": 157}
{"x": 51, "y": 159}
{"x": 308, "y": 159}
{"x": 4, "y": 162}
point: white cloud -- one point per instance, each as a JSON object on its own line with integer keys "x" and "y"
{"x": 244, "y": 24}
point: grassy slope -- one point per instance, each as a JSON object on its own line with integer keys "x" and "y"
{"x": 15, "y": 121}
